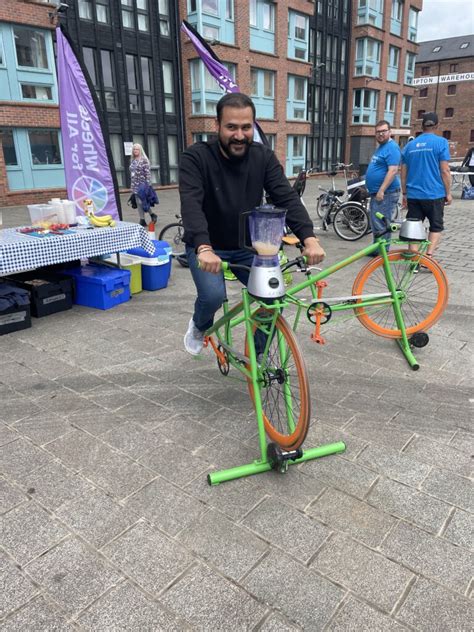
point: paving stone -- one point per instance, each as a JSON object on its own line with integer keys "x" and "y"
{"x": 234, "y": 498}
{"x": 357, "y": 518}
{"x": 43, "y": 429}
{"x": 230, "y": 548}
{"x": 224, "y": 452}
{"x": 199, "y": 407}
{"x": 460, "y": 530}
{"x": 147, "y": 413}
{"x": 111, "y": 398}
{"x": 393, "y": 464}
{"x": 39, "y": 613}
{"x": 28, "y": 531}
{"x": 72, "y": 575}
{"x": 147, "y": 556}
{"x": 9, "y": 496}
{"x": 20, "y": 457}
{"x": 403, "y": 502}
{"x": 60, "y": 401}
{"x": 96, "y": 423}
{"x": 360, "y": 617}
{"x": 126, "y": 608}
{"x": 463, "y": 440}
{"x": 430, "y": 556}
{"x": 345, "y": 475}
{"x": 16, "y": 587}
{"x": 443, "y": 456}
{"x": 7, "y": 435}
{"x": 96, "y": 517}
{"x": 321, "y": 434}
{"x": 188, "y": 433}
{"x": 150, "y": 501}
{"x": 82, "y": 382}
{"x": 276, "y": 623}
{"x": 53, "y": 484}
{"x": 175, "y": 463}
{"x": 131, "y": 439}
{"x": 294, "y": 487}
{"x": 377, "y": 431}
{"x": 287, "y": 528}
{"x": 77, "y": 449}
{"x": 207, "y": 601}
{"x": 300, "y": 594}
{"x": 366, "y": 573}
{"x": 422, "y": 423}
{"x": 15, "y": 409}
{"x": 450, "y": 488}
{"x": 329, "y": 413}
{"x": 379, "y": 409}
{"x": 430, "y": 607}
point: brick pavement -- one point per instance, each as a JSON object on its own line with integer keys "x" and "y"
{"x": 107, "y": 431}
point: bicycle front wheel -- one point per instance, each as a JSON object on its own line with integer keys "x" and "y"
{"x": 423, "y": 288}
{"x": 351, "y": 222}
{"x": 324, "y": 202}
{"x": 173, "y": 234}
{"x": 283, "y": 384}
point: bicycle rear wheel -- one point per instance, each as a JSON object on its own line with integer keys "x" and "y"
{"x": 423, "y": 289}
{"x": 173, "y": 234}
{"x": 351, "y": 222}
{"x": 283, "y": 384}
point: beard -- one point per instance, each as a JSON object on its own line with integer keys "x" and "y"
{"x": 227, "y": 148}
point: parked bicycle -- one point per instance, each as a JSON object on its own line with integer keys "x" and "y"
{"x": 173, "y": 233}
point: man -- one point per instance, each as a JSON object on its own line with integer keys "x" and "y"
{"x": 426, "y": 179}
{"x": 381, "y": 179}
{"x": 217, "y": 182}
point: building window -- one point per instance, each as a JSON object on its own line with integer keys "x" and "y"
{"x": 164, "y": 16}
{"x": 127, "y": 14}
{"x": 296, "y": 154}
{"x": 425, "y": 71}
{"x": 409, "y": 68}
{"x": 436, "y": 49}
{"x": 449, "y": 112}
{"x": 142, "y": 15}
{"x": 367, "y": 60}
{"x": 116, "y": 147}
{"x": 423, "y": 92}
{"x": 342, "y": 65}
{"x": 108, "y": 76}
{"x": 262, "y": 25}
{"x": 90, "y": 63}
{"x": 453, "y": 67}
{"x": 30, "y": 48}
{"x": 447, "y": 134}
{"x": 297, "y": 97}
{"x": 9, "y": 151}
{"x": 390, "y": 107}
{"x": 406, "y": 112}
{"x": 147, "y": 84}
{"x": 102, "y": 11}
{"x": 36, "y": 92}
{"x": 396, "y": 17}
{"x": 263, "y": 92}
{"x": 85, "y": 9}
{"x": 271, "y": 141}
{"x": 452, "y": 89}
{"x": 132, "y": 81}
{"x": 370, "y": 12}
{"x": 205, "y": 91}
{"x": 205, "y": 136}
{"x": 471, "y": 137}
{"x": 412, "y": 24}
{"x": 153, "y": 155}
{"x": 2, "y": 55}
{"x": 393, "y": 63}
{"x": 173, "y": 158}
{"x": 365, "y": 107}
{"x": 168, "y": 87}
{"x": 420, "y": 114}
{"x": 464, "y": 45}
{"x": 44, "y": 147}
{"x": 298, "y": 36}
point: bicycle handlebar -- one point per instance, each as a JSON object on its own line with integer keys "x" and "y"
{"x": 389, "y": 227}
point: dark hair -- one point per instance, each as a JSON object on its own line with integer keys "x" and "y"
{"x": 234, "y": 100}
{"x": 383, "y": 122}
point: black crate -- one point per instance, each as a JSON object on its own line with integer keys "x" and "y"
{"x": 50, "y": 292}
{"x": 14, "y": 317}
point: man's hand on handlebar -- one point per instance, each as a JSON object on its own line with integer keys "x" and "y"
{"x": 313, "y": 251}
{"x": 209, "y": 262}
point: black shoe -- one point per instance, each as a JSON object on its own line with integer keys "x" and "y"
{"x": 154, "y": 217}
{"x": 143, "y": 223}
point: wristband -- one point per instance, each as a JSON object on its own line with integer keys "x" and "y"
{"x": 205, "y": 249}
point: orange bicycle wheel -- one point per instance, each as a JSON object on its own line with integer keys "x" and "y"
{"x": 284, "y": 387}
{"x": 423, "y": 290}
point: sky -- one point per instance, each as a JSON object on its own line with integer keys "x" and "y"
{"x": 445, "y": 18}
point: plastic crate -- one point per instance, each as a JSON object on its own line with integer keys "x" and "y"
{"x": 50, "y": 292}
{"x": 102, "y": 287}
{"x": 14, "y": 316}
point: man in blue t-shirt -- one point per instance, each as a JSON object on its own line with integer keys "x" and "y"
{"x": 381, "y": 178}
{"x": 426, "y": 179}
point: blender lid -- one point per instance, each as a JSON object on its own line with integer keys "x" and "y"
{"x": 270, "y": 209}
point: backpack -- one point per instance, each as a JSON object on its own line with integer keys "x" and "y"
{"x": 467, "y": 193}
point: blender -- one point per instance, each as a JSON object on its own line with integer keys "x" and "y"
{"x": 266, "y": 225}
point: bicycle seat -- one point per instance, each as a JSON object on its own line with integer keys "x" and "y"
{"x": 337, "y": 192}
{"x": 290, "y": 240}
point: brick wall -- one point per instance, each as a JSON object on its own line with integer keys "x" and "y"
{"x": 27, "y": 12}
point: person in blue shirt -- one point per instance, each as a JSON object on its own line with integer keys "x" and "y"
{"x": 382, "y": 180}
{"x": 426, "y": 179}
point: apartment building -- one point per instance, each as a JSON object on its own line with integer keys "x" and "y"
{"x": 444, "y": 83}
{"x": 286, "y": 56}
{"x": 382, "y": 70}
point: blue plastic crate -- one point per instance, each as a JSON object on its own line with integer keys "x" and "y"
{"x": 162, "y": 251}
{"x": 101, "y": 287}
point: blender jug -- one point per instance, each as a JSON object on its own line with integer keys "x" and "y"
{"x": 266, "y": 225}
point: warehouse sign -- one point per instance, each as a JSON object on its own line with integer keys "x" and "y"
{"x": 459, "y": 76}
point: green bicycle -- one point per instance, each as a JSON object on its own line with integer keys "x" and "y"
{"x": 398, "y": 295}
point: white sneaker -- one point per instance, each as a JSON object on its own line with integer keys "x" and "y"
{"x": 193, "y": 339}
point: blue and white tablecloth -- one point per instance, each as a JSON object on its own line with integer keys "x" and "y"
{"x": 19, "y": 251}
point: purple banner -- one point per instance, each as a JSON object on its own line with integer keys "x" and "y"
{"x": 217, "y": 70}
{"x": 86, "y": 162}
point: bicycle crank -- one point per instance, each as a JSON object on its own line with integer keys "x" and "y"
{"x": 279, "y": 459}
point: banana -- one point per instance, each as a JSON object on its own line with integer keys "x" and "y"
{"x": 101, "y": 221}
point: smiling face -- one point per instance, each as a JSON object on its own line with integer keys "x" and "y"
{"x": 136, "y": 153}
{"x": 235, "y": 131}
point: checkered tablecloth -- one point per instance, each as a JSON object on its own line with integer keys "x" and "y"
{"x": 19, "y": 252}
